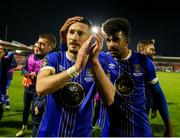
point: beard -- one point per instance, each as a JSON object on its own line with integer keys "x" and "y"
{"x": 75, "y": 52}
{"x": 73, "y": 49}
{"x": 114, "y": 53}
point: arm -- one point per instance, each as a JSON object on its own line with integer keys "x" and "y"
{"x": 162, "y": 107}
{"x": 158, "y": 96}
{"x": 11, "y": 60}
{"x": 48, "y": 82}
{"x": 41, "y": 105}
{"x": 25, "y": 67}
{"x": 13, "y": 63}
{"x": 39, "y": 108}
{"x": 105, "y": 87}
{"x": 154, "y": 108}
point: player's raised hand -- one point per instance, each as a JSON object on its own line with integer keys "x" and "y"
{"x": 97, "y": 46}
{"x": 64, "y": 28}
{"x": 82, "y": 55}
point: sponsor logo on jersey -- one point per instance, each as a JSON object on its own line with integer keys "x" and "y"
{"x": 89, "y": 75}
{"x": 137, "y": 70}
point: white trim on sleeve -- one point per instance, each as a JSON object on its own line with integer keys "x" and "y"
{"x": 49, "y": 68}
{"x": 155, "y": 80}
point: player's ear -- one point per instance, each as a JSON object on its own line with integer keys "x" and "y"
{"x": 127, "y": 42}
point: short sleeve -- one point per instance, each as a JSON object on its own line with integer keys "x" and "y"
{"x": 150, "y": 71}
{"x": 50, "y": 61}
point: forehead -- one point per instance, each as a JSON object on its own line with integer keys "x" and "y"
{"x": 79, "y": 27}
{"x": 115, "y": 35}
{"x": 150, "y": 46}
{"x": 44, "y": 40}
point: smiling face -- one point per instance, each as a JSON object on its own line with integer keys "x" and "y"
{"x": 37, "y": 49}
{"x": 44, "y": 45}
{"x": 77, "y": 34}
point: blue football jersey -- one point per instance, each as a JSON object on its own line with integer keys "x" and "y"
{"x": 61, "y": 118}
{"x": 127, "y": 114}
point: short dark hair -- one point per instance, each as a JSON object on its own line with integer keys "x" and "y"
{"x": 85, "y": 21}
{"x": 82, "y": 20}
{"x": 64, "y": 29}
{"x": 143, "y": 43}
{"x": 114, "y": 25}
{"x": 50, "y": 37}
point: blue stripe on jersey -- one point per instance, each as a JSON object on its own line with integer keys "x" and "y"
{"x": 67, "y": 123}
{"x": 102, "y": 116}
{"x": 103, "y": 120}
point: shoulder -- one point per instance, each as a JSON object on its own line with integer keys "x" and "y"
{"x": 106, "y": 57}
{"x": 138, "y": 55}
{"x": 54, "y": 55}
{"x": 30, "y": 55}
{"x": 142, "y": 58}
{"x": 52, "y": 58}
{"x": 10, "y": 53}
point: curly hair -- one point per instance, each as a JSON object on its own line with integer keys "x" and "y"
{"x": 114, "y": 25}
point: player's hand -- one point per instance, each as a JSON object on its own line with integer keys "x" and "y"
{"x": 97, "y": 46}
{"x": 82, "y": 55}
{"x": 169, "y": 131}
{"x": 64, "y": 28}
{"x": 153, "y": 113}
{"x": 26, "y": 82}
{"x": 32, "y": 75}
{"x": 36, "y": 111}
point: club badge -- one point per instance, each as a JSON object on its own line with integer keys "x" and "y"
{"x": 72, "y": 94}
{"x": 124, "y": 85}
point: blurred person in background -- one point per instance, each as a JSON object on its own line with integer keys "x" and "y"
{"x": 32, "y": 65}
{"x": 6, "y": 63}
{"x": 10, "y": 78}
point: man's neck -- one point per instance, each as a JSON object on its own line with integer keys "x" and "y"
{"x": 71, "y": 56}
{"x": 126, "y": 55}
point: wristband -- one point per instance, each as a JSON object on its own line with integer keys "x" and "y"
{"x": 72, "y": 72}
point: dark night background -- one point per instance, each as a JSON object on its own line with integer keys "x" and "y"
{"x": 160, "y": 20}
